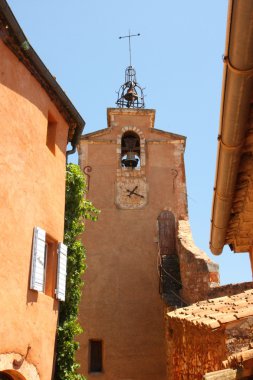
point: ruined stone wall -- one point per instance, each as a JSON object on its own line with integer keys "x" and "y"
{"x": 199, "y": 274}
{"x": 239, "y": 335}
{"x": 193, "y": 351}
{"x": 229, "y": 289}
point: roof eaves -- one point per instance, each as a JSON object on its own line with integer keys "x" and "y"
{"x": 100, "y": 132}
{"x": 235, "y": 102}
{"x": 171, "y": 134}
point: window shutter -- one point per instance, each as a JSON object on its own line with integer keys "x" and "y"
{"x": 61, "y": 272}
{"x": 37, "y": 279}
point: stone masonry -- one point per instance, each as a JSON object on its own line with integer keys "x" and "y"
{"x": 199, "y": 274}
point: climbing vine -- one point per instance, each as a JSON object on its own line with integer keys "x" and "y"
{"x": 77, "y": 210}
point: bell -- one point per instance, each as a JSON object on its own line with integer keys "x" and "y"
{"x": 131, "y": 95}
{"x": 130, "y": 161}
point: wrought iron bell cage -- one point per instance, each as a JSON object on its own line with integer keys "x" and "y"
{"x": 130, "y": 94}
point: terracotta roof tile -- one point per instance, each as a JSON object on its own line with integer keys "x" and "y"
{"x": 244, "y": 312}
{"x": 217, "y": 311}
{"x": 227, "y": 318}
{"x": 213, "y": 323}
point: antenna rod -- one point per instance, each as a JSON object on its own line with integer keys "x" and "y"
{"x": 129, "y": 43}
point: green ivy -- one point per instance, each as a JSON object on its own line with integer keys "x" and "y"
{"x": 77, "y": 210}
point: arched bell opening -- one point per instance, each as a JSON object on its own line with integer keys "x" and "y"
{"x": 130, "y": 150}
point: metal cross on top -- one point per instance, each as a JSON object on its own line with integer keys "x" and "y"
{"x": 129, "y": 41}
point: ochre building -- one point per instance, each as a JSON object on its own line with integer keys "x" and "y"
{"x": 37, "y": 120}
{"x": 136, "y": 178}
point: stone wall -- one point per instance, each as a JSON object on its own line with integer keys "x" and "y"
{"x": 229, "y": 289}
{"x": 193, "y": 351}
{"x": 239, "y": 335}
{"x": 199, "y": 274}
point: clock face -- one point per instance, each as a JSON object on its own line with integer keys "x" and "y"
{"x": 131, "y": 193}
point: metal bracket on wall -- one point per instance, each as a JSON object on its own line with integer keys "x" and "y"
{"x": 18, "y": 363}
{"x": 175, "y": 174}
{"x": 87, "y": 169}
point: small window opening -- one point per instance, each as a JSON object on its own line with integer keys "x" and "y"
{"x": 130, "y": 150}
{"x": 95, "y": 353}
{"x": 50, "y": 266}
{"x": 51, "y": 133}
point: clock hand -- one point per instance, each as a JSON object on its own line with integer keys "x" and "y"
{"x": 136, "y": 187}
{"x": 139, "y": 195}
{"x": 131, "y": 192}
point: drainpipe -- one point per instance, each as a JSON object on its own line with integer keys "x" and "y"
{"x": 71, "y": 151}
{"x": 75, "y": 140}
{"x": 236, "y": 95}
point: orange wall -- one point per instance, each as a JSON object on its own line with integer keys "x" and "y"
{"x": 32, "y": 185}
{"x": 121, "y": 303}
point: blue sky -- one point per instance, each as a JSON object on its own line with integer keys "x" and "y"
{"x": 178, "y": 59}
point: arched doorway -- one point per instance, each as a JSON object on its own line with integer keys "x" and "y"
{"x": 11, "y": 375}
{"x": 5, "y": 376}
{"x": 8, "y": 370}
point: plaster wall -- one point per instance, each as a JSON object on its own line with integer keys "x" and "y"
{"x": 32, "y": 194}
{"x": 121, "y": 304}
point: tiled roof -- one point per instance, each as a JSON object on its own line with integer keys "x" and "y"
{"x": 215, "y": 312}
{"x": 238, "y": 358}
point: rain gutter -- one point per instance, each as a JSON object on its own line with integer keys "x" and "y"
{"x": 235, "y": 105}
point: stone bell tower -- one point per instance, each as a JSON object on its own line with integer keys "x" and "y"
{"x": 136, "y": 175}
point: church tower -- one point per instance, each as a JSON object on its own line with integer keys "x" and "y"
{"x": 136, "y": 178}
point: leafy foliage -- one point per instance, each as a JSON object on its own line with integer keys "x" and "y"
{"x": 77, "y": 210}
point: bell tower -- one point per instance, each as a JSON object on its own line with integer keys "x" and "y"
{"x": 135, "y": 174}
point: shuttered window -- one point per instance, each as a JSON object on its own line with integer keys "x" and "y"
{"x": 61, "y": 272}
{"x": 43, "y": 268}
{"x": 51, "y": 266}
{"x": 37, "y": 280}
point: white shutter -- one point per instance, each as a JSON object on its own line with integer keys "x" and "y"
{"x": 37, "y": 279}
{"x": 61, "y": 272}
